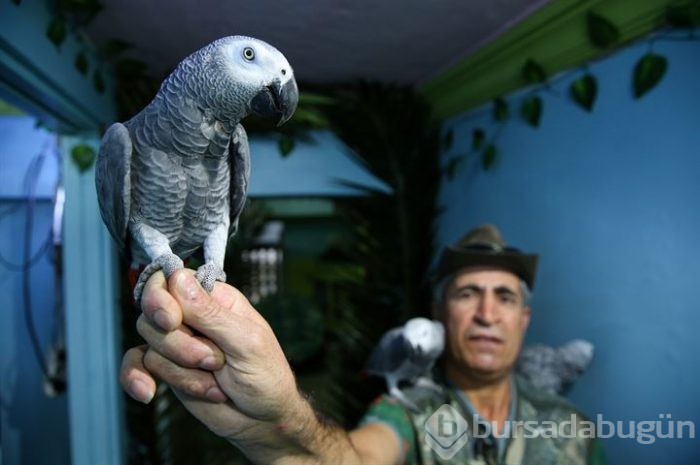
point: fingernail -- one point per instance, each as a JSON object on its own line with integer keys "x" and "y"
{"x": 210, "y": 363}
{"x": 140, "y": 391}
{"x": 216, "y": 395}
{"x": 187, "y": 286}
{"x": 162, "y": 319}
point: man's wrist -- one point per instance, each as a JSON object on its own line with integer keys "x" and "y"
{"x": 301, "y": 436}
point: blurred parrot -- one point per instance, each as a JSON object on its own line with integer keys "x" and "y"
{"x": 552, "y": 369}
{"x": 174, "y": 177}
{"x": 408, "y": 353}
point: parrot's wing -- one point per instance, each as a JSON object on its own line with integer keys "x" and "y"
{"x": 389, "y": 354}
{"x": 113, "y": 180}
{"x": 239, "y": 152}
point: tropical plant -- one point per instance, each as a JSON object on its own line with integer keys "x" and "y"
{"x": 393, "y": 136}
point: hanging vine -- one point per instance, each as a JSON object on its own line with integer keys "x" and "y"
{"x": 680, "y": 21}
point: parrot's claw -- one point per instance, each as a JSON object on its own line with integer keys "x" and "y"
{"x": 428, "y": 383}
{"x": 398, "y": 395}
{"x": 208, "y": 274}
{"x": 168, "y": 262}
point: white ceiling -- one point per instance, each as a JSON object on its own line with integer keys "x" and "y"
{"x": 326, "y": 41}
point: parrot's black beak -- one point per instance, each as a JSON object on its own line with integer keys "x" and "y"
{"x": 277, "y": 100}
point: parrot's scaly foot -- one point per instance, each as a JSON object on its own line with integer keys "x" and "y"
{"x": 168, "y": 262}
{"x": 398, "y": 395}
{"x": 428, "y": 383}
{"x": 208, "y": 274}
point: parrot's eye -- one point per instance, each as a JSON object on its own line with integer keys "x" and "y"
{"x": 248, "y": 53}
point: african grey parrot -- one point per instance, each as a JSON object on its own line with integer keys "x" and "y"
{"x": 408, "y": 353}
{"x": 175, "y": 175}
{"x": 551, "y": 369}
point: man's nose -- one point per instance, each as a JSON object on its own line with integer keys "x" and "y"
{"x": 487, "y": 311}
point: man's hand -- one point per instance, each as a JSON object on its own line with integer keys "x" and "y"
{"x": 235, "y": 379}
{"x": 224, "y": 363}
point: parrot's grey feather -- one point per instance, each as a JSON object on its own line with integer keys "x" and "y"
{"x": 552, "y": 369}
{"x": 113, "y": 181}
{"x": 389, "y": 354}
{"x": 161, "y": 199}
{"x": 176, "y": 174}
{"x": 240, "y": 172}
{"x": 408, "y": 353}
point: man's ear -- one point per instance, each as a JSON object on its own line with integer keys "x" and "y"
{"x": 525, "y": 322}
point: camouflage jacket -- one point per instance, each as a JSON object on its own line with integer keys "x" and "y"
{"x": 437, "y": 434}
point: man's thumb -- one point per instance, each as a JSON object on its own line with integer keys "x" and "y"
{"x": 187, "y": 288}
{"x": 220, "y": 323}
{"x": 199, "y": 310}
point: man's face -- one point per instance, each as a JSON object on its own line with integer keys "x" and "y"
{"x": 485, "y": 320}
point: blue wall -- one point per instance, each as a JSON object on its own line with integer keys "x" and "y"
{"x": 34, "y": 427}
{"x": 610, "y": 200}
{"x": 41, "y": 77}
{"x": 314, "y": 168}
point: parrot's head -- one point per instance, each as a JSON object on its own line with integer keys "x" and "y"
{"x": 425, "y": 337}
{"x": 577, "y": 354}
{"x": 259, "y": 76}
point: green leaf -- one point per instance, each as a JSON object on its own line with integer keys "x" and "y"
{"x": 683, "y": 15}
{"x": 488, "y": 158}
{"x": 448, "y": 140}
{"x": 531, "y": 111}
{"x": 452, "y": 165}
{"x": 584, "y": 91}
{"x": 286, "y": 145}
{"x": 81, "y": 62}
{"x": 648, "y": 72}
{"x": 601, "y": 32}
{"x": 83, "y": 156}
{"x": 98, "y": 82}
{"x": 478, "y": 137}
{"x": 310, "y": 98}
{"x": 311, "y": 117}
{"x": 500, "y": 109}
{"x": 56, "y": 31}
{"x": 533, "y": 72}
